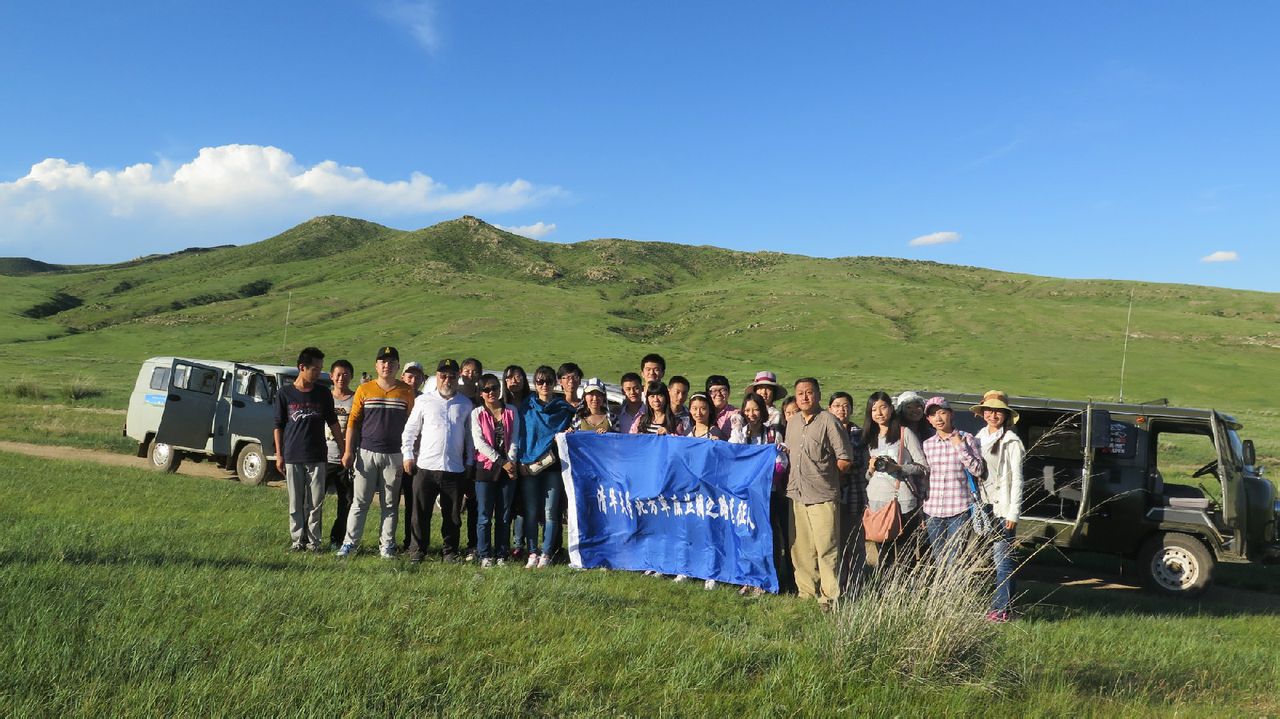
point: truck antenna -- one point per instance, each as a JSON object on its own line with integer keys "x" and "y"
{"x": 284, "y": 352}
{"x": 1125, "y": 354}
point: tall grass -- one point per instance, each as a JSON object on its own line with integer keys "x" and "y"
{"x": 923, "y": 621}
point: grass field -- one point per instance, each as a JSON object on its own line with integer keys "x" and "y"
{"x": 128, "y": 593}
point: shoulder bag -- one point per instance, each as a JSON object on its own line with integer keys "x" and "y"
{"x": 885, "y": 524}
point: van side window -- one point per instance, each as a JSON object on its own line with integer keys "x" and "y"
{"x": 160, "y": 378}
{"x": 195, "y": 379}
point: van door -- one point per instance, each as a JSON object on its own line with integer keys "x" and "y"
{"x": 187, "y": 421}
{"x": 1234, "y": 499}
{"x": 252, "y": 406}
{"x": 1088, "y": 439}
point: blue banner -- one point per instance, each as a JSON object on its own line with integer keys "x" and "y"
{"x": 675, "y": 505}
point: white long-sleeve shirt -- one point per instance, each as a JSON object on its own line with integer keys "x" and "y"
{"x": 444, "y": 426}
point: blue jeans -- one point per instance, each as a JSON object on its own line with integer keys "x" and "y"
{"x": 1002, "y": 554}
{"x": 493, "y": 499}
{"x": 947, "y": 536}
{"x": 541, "y": 499}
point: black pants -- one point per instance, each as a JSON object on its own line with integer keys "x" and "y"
{"x": 428, "y": 485}
{"x": 406, "y": 499}
{"x": 337, "y": 479}
{"x": 780, "y": 521}
{"x": 468, "y": 488}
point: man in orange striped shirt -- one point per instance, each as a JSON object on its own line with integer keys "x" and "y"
{"x": 379, "y": 411}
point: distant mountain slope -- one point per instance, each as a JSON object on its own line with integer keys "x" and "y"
{"x": 464, "y": 287}
{"x": 18, "y": 266}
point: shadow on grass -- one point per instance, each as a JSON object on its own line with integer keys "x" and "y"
{"x": 80, "y": 557}
{"x": 1053, "y": 591}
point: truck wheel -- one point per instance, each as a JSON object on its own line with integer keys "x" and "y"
{"x": 1176, "y": 564}
{"x": 252, "y": 465}
{"x": 163, "y": 456}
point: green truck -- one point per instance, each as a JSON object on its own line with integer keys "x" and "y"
{"x": 1174, "y": 489}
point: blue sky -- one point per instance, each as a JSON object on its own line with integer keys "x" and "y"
{"x": 1128, "y": 141}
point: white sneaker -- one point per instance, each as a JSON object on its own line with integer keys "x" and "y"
{"x": 387, "y": 553}
{"x": 544, "y": 561}
{"x": 533, "y": 561}
{"x": 679, "y": 578}
{"x": 500, "y": 562}
{"x": 709, "y": 584}
{"x": 347, "y": 549}
{"x": 486, "y": 563}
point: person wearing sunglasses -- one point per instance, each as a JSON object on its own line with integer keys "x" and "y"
{"x": 542, "y": 416}
{"x": 494, "y": 427}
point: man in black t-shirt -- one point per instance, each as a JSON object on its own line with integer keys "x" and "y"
{"x": 303, "y": 410}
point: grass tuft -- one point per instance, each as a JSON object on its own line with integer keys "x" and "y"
{"x": 81, "y": 389}
{"x": 25, "y": 388}
{"x": 923, "y": 621}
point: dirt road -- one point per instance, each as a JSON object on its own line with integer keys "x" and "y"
{"x": 195, "y": 469}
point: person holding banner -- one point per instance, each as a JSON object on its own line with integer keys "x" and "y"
{"x": 702, "y": 418}
{"x": 755, "y": 428}
{"x": 542, "y": 416}
{"x": 594, "y": 415}
{"x": 657, "y": 417}
{"x": 819, "y": 450}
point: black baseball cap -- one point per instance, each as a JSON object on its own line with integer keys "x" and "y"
{"x": 388, "y": 352}
{"x": 448, "y": 366}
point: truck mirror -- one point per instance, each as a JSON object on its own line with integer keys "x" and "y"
{"x": 1250, "y": 456}
{"x": 1101, "y": 430}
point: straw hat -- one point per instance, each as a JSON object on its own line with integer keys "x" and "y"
{"x": 995, "y": 399}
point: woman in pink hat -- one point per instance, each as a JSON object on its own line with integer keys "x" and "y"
{"x": 766, "y": 385}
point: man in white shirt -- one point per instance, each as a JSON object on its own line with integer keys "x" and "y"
{"x": 437, "y": 450}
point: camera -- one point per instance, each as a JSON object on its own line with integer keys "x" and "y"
{"x": 884, "y": 464}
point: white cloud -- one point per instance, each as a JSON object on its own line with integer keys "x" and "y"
{"x": 1221, "y": 256}
{"x": 417, "y": 17}
{"x": 537, "y": 230}
{"x": 254, "y": 189}
{"x": 936, "y": 238}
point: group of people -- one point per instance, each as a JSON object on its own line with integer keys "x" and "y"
{"x": 482, "y": 446}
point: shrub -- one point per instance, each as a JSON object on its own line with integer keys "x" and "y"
{"x": 81, "y": 389}
{"x": 26, "y": 389}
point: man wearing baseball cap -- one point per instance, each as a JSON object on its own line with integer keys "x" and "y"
{"x": 436, "y": 447}
{"x": 950, "y": 452}
{"x": 379, "y": 411}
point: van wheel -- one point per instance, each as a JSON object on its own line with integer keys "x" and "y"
{"x": 163, "y": 456}
{"x": 1176, "y": 564}
{"x": 252, "y": 465}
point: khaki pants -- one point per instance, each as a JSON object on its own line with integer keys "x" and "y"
{"x": 815, "y": 549}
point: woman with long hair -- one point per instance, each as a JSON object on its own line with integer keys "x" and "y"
{"x": 542, "y": 416}
{"x": 1002, "y": 489}
{"x": 702, "y": 418}
{"x": 515, "y": 388}
{"x": 897, "y": 470}
{"x": 754, "y": 427}
{"x": 657, "y": 417}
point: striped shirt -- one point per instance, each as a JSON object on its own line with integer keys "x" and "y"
{"x": 380, "y": 415}
{"x": 948, "y": 488}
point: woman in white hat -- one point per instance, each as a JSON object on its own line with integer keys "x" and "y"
{"x": 1002, "y": 489}
{"x": 766, "y": 385}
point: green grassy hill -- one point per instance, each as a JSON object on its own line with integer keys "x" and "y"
{"x": 464, "y": 287}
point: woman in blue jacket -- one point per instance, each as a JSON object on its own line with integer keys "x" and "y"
{"x": 542, "y": 416}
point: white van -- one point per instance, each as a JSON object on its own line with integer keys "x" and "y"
{"x": 207, "y": 410}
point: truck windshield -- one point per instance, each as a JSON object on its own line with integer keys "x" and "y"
{"x": 1237, "y": 448}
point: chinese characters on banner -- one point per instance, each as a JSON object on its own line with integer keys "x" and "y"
{"x": 671, "y": 504}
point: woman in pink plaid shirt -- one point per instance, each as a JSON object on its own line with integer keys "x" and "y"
{"x": 951, "y": 452}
